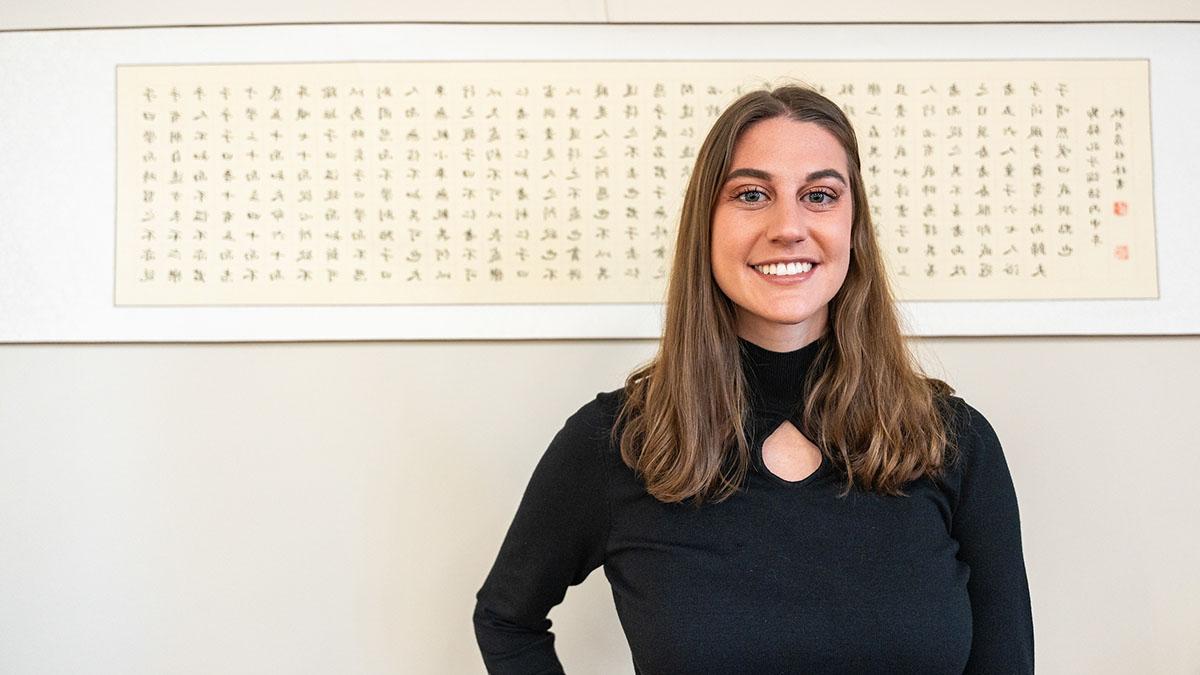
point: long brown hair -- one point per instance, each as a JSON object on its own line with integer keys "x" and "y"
{"x": 873, "y": 413}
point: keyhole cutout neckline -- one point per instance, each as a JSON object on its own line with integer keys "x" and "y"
{"x": 777, "y": 388}
{"x": 787, "y": 454}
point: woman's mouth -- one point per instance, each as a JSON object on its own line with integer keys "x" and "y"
{"x": 791, "y": 269}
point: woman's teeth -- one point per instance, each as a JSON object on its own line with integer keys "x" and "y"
{"x": 784, "y": 269}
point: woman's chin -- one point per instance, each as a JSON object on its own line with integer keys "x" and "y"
{"x": 784, "y": 321}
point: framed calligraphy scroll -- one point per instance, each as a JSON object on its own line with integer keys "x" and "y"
{"x": 372, "y": 182}
{"x": 559, "y": 182}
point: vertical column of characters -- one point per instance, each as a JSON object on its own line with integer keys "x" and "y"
{"x": 682, "y": 117}
{"x": 627, "y": 123}
{"x": 849, "y": 99}
{"x": 280, "y": 196}
{"x": 504, "y": 234}
{"x": 886, "y": 172}
{"x": 1043, "y": 261}
{"x": 355, "y": 179}
{"x": 610, "y": 176}
{"x": 561, "y": 223}
{"x": 965, "y": 163}
{"x": 662, "y": 184}
{"x": 455, "y": 214}
{"x": 538, "y": 192}
{"x": 444, "y": 263}
{"x": 322, "y": 153}
{"x": 1041, "y": 172}
{"x": 415, "y": 245}
{"x": 213, "y": 264}
{"x": 236, "y": 179}
{"x": 1124, "y": 206}
{"x": 928, "y": 167}
{"x": 849, "y": 92}
{"x": 446, "y": 243}
{"x": 1093, "y": 149}
{"x": 191, "y": 181}
{"x": 641, "y": 90}
{"x": 987, "y": 159}
{"x": 481, "y": 180}
{"x": 154, "y": 199}
{"x": 513, "y": 183}
{"x": 863, "y": 111}
{"x": 455, "y": 251}
{"x": 1068, "y": 184}
{"x": 184, "y": 182}
{"x": 279, "y": 247}
{"x": 621, "y": 147}
{"x": 961, "y": 210}
{"x": 335, "y": 157}
{"x": 556, "y": 151}
{"x": 568, "y": 148}
{"x": 1055, "y": 185}
{"x": 901, "y": 139}
{"x": 990, "y": 203}
{"x": 182, "y": 190}
{"x": 306, "y": 161}
{"x": 382, "y": 185}
{"x": 662, "y": 197}
{"x": 469, "y": 151}
{"x": 239, "y": 113}
{"x": 596, "y": 172}
{"x": 1010, "y": 194}
{"x": 447, "y": 236}
{"x": 532, "y": 248}
{"x": 575, "y": 180}
{"x": 249, "y": 117}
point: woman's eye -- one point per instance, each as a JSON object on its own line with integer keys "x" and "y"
{"x": 820, "y": 197}
{"x": 757, "y": 196}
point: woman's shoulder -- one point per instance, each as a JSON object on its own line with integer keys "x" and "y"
{"x": 976, "y": 460}
{"x": 590, "y": 427}
{"x": 966, "y": 425}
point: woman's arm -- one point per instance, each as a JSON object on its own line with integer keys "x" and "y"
{"x": 556, "y": 539}
{"x": 987, "y": 526}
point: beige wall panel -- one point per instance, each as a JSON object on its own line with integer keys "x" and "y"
{"x": 24, "y": 14}
{"x": 317, "y": 508}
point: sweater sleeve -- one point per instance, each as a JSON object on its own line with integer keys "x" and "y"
{"x": 987, "y": 526}
{"x": 556, "y": 539}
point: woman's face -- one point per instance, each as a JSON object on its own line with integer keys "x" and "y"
{"x": 781, "y": 231}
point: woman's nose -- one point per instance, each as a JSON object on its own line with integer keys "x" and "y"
{"x": 789, "y": 223}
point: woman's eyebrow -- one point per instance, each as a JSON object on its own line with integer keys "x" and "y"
{"x": 752, "y": 173}
{"x": 763, "y": 175}
{"x": 827, "y": 173}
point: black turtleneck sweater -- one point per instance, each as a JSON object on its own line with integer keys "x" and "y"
{"x": 783, "y": 577}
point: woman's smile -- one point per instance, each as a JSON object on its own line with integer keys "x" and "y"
{"x": 785, "y": 273}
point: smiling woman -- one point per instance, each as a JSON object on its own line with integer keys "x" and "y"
{"x": 780, "y": 489}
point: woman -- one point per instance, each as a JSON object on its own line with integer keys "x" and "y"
{"x": 780, "y": 490}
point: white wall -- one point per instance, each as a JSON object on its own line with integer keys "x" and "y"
{"x": 316, "y": 508}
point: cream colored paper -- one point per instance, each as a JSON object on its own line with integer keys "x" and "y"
{"x": 560, "y": 182}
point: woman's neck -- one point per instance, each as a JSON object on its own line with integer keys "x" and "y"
{"x": 776, "y": 378}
